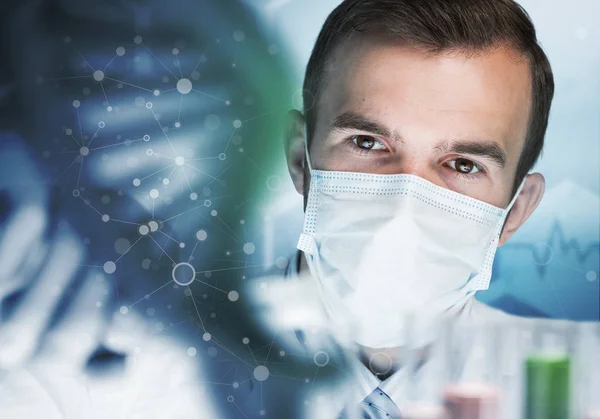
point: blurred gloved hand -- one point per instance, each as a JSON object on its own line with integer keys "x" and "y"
{"x": 51, "y": 305}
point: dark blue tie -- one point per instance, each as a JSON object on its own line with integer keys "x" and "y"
{"x": 376, "y": 405}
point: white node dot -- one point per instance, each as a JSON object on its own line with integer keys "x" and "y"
{"x": 105, "y": 218}
{"x": 179, "y": 161}
{"x": 245, "y": 341}
{"x": 124, "y": 310}
{"x": 249, "y": 248}
{"x": 68, "y": 131}
{"x": 149, "y": 152}
{"x": 146, "y": 137}
{"x": 212, "y": 122}
{"x": 177, "y": 124}
{"x": 227, "y": 103}
{"x": 191, "y": 351}
{"x": 137, "y": 39}
{"x": 154, "y": 193}
{"x": 144, "y": 230}
{"x": 101, "y": 124}
{"x": 109, "y": 108}
{"x": 122, "y": 245}
{"x": 149, "y": 105}
{"x": 206, "y": 336}
{"x": 153, "y": 226}
{"x": 207, "y": 203}
{"x": 76, "y": 104}
{"x": 239, "y": 36}
{"x": 193, "y": 196}
{"x": 183, "y": 274}
{"x": 233, "y": 295}
{"x": 237, "y": 123}
{"x": 201, "y": 235}
{"x": 213, "y": 213}
{"x": 120, "y": 51}
{"x": 175, "y": 51}
{"x": 242, "y": 222}
{"x": 98, "y": 75}
{"x": 281, "y": 262}
{"x": 137, "y": 182}
{"x": 166, "y": 181}
{"x": 182, "y": 245}
{"x": 84, "y": 151}
{"x": 110, "y": 267}
{"x": 235, "y": 384}
{"x": 261, "y": 373}
{"x": 222, "y": 156}
{"x": 156, "y": 92}
{"x": 281, "y": 353}
{"x": 76, "y": 192}
{"x": 591, "y": 276}
{"x": 184, "y": 86}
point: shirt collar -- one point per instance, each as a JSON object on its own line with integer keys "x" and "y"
{"x": 365, "y": 382}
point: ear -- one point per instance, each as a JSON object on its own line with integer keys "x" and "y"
{"x": 294, "y": 148}
{"x": 527, "y": 201}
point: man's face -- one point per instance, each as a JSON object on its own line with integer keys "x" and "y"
{"x": 456, "y": 120}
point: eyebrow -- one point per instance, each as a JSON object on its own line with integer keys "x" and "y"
{"x": 490, "y": 150}
{"x": 351, "y": 120}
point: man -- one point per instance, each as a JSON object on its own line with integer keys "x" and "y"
{"x": 414, "y": 162}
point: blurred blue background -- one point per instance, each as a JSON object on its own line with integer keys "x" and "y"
{"x": 550, "y": 267}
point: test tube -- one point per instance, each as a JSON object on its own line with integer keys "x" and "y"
{"x": 586, "y": 387}
{"x": 425, "y": 366}
{"x": 547, "y": 370}
{"x": 473, "y": 391}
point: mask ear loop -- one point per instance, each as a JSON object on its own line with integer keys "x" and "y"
{"x": 307, "y": 155}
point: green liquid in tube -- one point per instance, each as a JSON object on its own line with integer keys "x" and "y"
{"x": 547, "y": 386}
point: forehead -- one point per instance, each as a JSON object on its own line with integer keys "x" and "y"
{"x": 487, "y": 93}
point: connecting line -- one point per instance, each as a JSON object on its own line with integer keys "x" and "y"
{"x": 224, "y": 348}
{"x": 158, "y": 171}
{"x": 148, "y": 295}
{"x": 212, "y": 286}
{"x": 229, "y": 140}
{"x": 186, "y": 179}
{"x": 161, "y": 63}
{"x": 199, "y": 60}
{"x": 130, "y": 247}
{"x": 124, "y": 222}
{"x": 103, "y": 91}
{"x": 196, "y": 307}
{"x": 76, "y": 140}
{"x": 221, "y": 230}
{"x": 179, "y": 113}
{"x": 193, "y": 250}
{"x": 179, "y": 65}
{"x": 230, "y": 269}
{"x": 163, "y": 250}
{"x": 79, "y": 175}
{"x": 93, "y": 137}
{"x": 80, "y": 129}
{"x": 270, "y": 347}
{"x": 81, "y": 56}
{"x": 90, "y": 205}
{"x": 163, "y": 131}
{"x": 110, "y": 62}
{"x": 64, "y": 171}
{"x": 129, "y": 84}
{"x": 170, "y": 238}
{"x": 69, "y": 78}
{"x": 210, "y": 96}
{"x": 238, "y": 408}
{"x": 114, "y": 145}
{"x": 204, "y": 173}
{"x": 230, "y": 229}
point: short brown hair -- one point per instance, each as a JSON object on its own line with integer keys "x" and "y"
{"x": 437, "y": 26}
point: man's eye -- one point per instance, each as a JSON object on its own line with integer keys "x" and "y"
{"x": 464, "y": 166}
{"x": 367, "y": 142}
